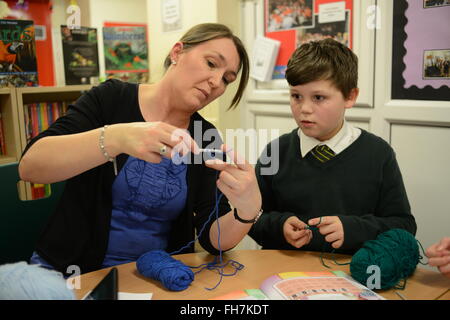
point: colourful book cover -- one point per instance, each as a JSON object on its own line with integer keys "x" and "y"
{"x": 41, "y": 13}
{"x": 328, "y": 285}
{"x": 80, "y": 55}
{"x": 126, "y": 53}
{"x": 18, "y": 66}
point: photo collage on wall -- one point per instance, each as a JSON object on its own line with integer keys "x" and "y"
{"x": 427, "y": 59}
{"x": 436, "y": 62}
{"x": 421, "y": 50}
{"x": 294, "y": 22}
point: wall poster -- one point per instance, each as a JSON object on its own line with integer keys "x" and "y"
{"x": 421, "y": 50}
{"x": 126, "y": 51}
{"x": 80, "y": 52}
{"x": 294, "y": 22}
{"x": 18, "y": 65}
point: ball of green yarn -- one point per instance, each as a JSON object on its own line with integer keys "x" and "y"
{"x": 395, "y": 252}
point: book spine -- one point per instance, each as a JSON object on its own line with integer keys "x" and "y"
{"x": 39, "y": 117}
{"x": 2, "y": 138}
{"x": 34, "y": 120}
{"x": 26, "y": 120}
{"x": 58, "y": 58}
{"x": 55, "y": 111}
{"x": 49, "y": 108}
{"x": 44, "y": 117}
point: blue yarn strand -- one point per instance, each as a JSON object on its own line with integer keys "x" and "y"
{"x": 219, "y": 266}
{"x": 175, "y": 275}
{"x": 216, "y": 209}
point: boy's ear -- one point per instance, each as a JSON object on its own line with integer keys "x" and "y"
{"x": 350, "y": 102}
{"x": 176, "y": 50}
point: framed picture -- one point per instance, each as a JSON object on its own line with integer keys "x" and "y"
{"x": 421, "y": 50}
{"x": 295, "y": 22}
{"x": 435, "y": 3}
{"x": 436, "y": 64}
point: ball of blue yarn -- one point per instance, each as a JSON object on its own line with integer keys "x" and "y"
{"x": 395, "y": 252}
{"x": 159, "y": 265}
{"x": 21, "y": 281}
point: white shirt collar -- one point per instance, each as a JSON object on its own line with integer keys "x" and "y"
{"x": 341, "y": 140}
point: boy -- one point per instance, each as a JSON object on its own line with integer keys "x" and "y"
{"x": 337, "y": 186}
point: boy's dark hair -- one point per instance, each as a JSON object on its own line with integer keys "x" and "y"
{"x": 326, "y": 59}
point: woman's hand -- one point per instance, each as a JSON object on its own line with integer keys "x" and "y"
{"x": 238, "y": 183}
{"x": 149, "y": 141}
{"x": 439, "y": 256}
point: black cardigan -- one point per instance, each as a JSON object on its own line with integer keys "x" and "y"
{"x": 78, "y": 231}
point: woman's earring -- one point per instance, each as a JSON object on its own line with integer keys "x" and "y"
{"x": 174, "y": 62}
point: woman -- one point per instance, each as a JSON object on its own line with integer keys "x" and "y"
{"x": 152, "y": 202}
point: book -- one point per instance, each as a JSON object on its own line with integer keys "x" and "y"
{"x": 18, "y": 66}
{"x": 265, "y": 53}
{"x": 126, "y": 53}
{"x": 2, "y": 138}
{"x": 40, "y": 12}
{"x": 328, "y": 285}
{"x": 80, "y": 55}
{"x": 58, "y": 60}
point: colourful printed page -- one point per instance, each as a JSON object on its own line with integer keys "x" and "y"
{"x": 329, "y": 285}
{"x": 315, "y": 286}
{"x": 249, "y": 294}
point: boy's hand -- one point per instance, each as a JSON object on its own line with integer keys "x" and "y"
{"x": 439, "y": 256}
{"x": 295, "y": 233}
{"x": 331, "y": 227}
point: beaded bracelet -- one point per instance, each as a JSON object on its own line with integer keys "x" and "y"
{"x": 236, "y": 216}
{"x": 102, "y": 148}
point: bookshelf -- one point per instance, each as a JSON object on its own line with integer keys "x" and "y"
{"x": 10, "y": 123}
{"x": 24, "y": 96}
{"x": 29, "y": 95}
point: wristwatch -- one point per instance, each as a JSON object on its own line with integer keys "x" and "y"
{"x": 247, "y": 221}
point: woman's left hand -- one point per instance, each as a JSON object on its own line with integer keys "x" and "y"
{"x": 238, "y": 183}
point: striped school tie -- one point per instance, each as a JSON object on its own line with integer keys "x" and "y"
{"x": 323, "y": 153}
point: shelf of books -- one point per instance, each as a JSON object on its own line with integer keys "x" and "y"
{"x": 38, "y": 108}
{"x": 9, "y": 127}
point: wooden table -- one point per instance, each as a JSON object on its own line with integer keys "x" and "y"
{"x": 259, "y": 265}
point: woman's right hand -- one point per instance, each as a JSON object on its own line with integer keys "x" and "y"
{"x": 148, "y": 141}
{"x": 439, "y": 256}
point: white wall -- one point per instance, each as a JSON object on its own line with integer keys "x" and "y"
{"x": 192, "y": 12}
